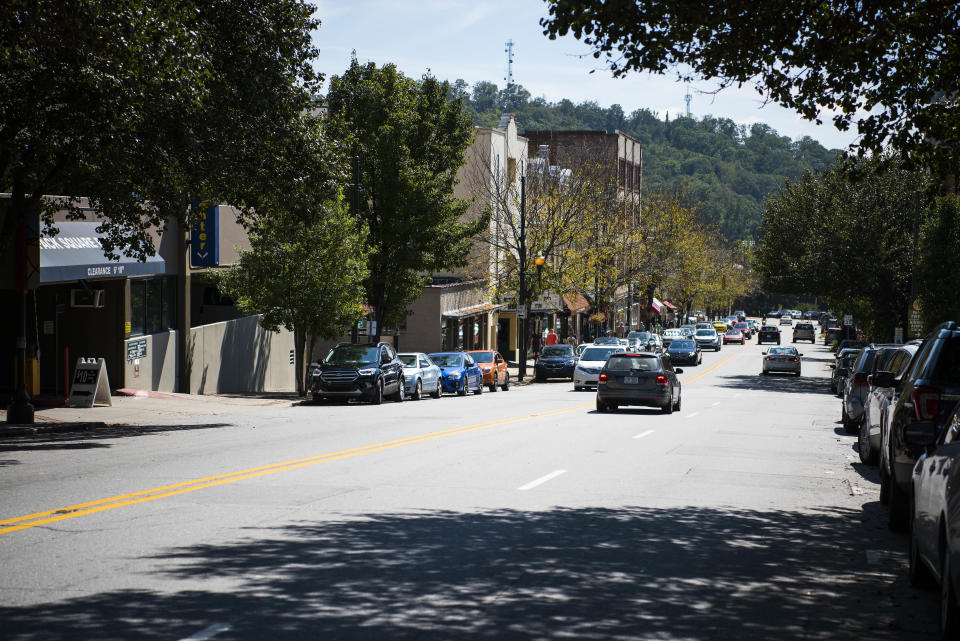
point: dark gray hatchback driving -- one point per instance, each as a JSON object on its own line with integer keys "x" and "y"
{"x": 639, "y": 379}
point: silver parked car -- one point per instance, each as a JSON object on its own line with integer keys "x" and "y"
{"x": 855, "y": 390}
{"x": 890, "y": 358}
{"x": 781, "y": 359}
{"x": 592, "y": 360}
{"x": 421, "y": 375}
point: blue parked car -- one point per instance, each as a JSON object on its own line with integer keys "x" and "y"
{"x": 459, "y": 372}
{"x": 556, "y": 361}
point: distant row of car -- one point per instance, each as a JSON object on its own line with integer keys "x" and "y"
{"x": 374, "y": 372}
{"x": 903, "y": 403}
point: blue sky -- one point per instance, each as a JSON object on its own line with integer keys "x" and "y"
{"x": 465, "y": 39}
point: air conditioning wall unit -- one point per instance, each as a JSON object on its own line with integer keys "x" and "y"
{"x": 86, "y": 298}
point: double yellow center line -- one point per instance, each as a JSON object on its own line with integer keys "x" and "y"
{"x": 91, "y": 507}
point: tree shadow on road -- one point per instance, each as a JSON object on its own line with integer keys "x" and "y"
{"x": 91, "y": 438}
{"x": 589, "y": 573}
{"x": 776, "y": 383}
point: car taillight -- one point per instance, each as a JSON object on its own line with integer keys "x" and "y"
{"x": 603, "y": 378}
{"x": 661, "y": 380}
{"x": 926, "y": 403}
{"x": 794, "y": 360}
{"x": 768, "y": 358}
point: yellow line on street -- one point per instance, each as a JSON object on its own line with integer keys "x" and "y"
{"x": 699, "y": 375}
{"x": 91, "y": 507}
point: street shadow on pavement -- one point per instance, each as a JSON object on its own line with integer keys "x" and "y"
{"x": 776, "y": 383}
{"x": 588, "y": 573}
{"x": 93, "y": 438}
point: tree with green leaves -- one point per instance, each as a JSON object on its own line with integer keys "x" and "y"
{"x": 141, "y": 107}
{"x": 888, "y": 68}
{"x": 411, "y": 140}
{"x": 850, "y": 242}
{"x": 304, "y": 272}
{"x": 938, "y": 264}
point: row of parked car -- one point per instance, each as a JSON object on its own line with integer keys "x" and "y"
{"x": 903, "y": 403}
{"x": 374, "y": 372}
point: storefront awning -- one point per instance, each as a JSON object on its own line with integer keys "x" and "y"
{"x": 76, "y": 254}
{"x": 473, "y": 310}
{"x": 576, "y": 303}
{"x": 670, "y": 305}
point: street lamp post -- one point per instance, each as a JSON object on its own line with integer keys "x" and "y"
{"x": 522, "y": 304}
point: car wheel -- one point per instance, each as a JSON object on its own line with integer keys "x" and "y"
{"x": 506, "y": 383}
{"x": 577, "y": 388}
{"x": 884, "y": 485}
{"x": 540, "y": 379}
{"x": 919, "y": 573}
{"x": 601, "y": 406}
{"x": 493, "y": 386}
{"x": 437, "y": 393}
{"x": 668, "y": 408}
{"x": 479, "y": 389}
{"x": 849, "y": 425}
{"x": 378, "y": 393}
{"x": 676, "y": 408}
{"x": 949, "y": 612}
{"x": 867, "y": 454}
{"x": 898, "y": 514}
{"x": 317, "y": 398}
{"x": 401, "y": 394}
{"x": 417, "y": 391}
{"x": 614, "y": 407}
{"x": 463, "y": 388}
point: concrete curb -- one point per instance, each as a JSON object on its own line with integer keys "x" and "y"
{"x": 126, "y": 391}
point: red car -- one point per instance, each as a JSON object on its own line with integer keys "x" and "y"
{"x": 733, "y": 336}
{"x": 745, "y": 328}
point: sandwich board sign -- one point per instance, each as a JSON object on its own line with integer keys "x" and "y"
{"x": 90, "y": 384}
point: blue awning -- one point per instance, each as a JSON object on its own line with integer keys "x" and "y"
{"x": 76, "y": 254}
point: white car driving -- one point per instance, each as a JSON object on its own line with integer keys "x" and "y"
{"x": 592, "y": 360}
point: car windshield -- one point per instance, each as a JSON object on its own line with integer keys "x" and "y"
{"x": 607, "y": 340}
{"x": 483, "y": 357}
{"x": 682, "y": 346}
{"x": 706, "y": 332}
{"x": 408, "y": 360}
{"x": 447, "y": 360}
{"x": 733, "y": 332}
{"x": 643, "y": 363}
{"x": 789, "y": 351}
{"x": 557, "y": 351}
{"x": 352, "y": 355}
{"x": 947, "y": 367}
{"x": 598, "y": 353}
{"x": 640, "y": 336}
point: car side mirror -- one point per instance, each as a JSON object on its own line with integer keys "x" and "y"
{"x": 883, "y": 379}
{"x": 764, "y": 353}
{"x": 678, "y": 370}
{"x": 860, "y": 377}
{"x": 921, "y": 434}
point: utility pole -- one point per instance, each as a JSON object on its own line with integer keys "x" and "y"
{"x": 21, "y": 410}
{"x": 522, "y": 304}
{"x": 355, "y": 206}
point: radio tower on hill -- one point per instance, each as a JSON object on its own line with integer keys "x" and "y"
{"x": 687, "y": 98}
{"x": 509, "y": 51}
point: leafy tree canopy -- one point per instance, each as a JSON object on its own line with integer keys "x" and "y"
{"x": 889, "y": 68}
{"x": 142, "y": 106}
{"x": 411, "y": 139}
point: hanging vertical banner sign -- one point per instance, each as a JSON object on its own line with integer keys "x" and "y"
{"x": 204, "y": 239}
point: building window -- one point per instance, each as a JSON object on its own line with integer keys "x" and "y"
{"x": 152, "y": 305}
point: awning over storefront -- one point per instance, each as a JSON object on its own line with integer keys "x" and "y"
{"x": 670, "y": 305}
{"x": 576, "y": 303}
{"x": 473, "y": 310}
{"x": 76, "y": 254}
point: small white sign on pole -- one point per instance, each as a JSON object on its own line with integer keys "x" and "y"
{"x": 90, "y": 384}
{"x": 848, "y": 319}
{"x": 898, "y": 335}
{"x": 522, "y": 311}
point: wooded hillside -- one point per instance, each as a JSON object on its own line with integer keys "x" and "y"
{"x": 725, "y": 167}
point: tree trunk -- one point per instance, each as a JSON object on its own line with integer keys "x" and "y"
{"x": 299, "y": 341}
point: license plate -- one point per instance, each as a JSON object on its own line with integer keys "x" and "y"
{"x": 630, "y": 380}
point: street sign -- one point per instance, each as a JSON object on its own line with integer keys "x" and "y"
{"x": 847, "y": 320}
{"x": 204, "y": 239}
{"x": 522, "y": 312}
{"x": 136, "y": 348}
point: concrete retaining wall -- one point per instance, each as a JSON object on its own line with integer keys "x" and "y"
{"x": 156, "y": 370}
{"x": 240, "y": 356}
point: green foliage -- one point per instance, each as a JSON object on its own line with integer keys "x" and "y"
{"x": 849, "y": 242}
{"x": 888, "y": 68}
{"x": 723, "y": 168}
{"x": 140, "y": 106}
{"x": 411, "y": 140}
{"x": 939, "y": 263}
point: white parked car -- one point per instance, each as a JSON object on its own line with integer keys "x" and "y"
{"x": 420, "y": 374}
{"x": 592, "y": 360}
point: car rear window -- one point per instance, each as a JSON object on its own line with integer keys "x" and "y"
{"x": 643, "y": 363}
{"x": 946, "y": 366}
{"x": 865, "y": 362}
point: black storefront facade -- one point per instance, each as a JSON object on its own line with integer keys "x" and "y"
{"x": 85, "y": 305}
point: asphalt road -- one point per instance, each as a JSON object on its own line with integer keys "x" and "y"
{"x": 517, "y": 515}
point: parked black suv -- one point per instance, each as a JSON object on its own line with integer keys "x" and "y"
{"x": 352, "y": 370}
{"x": 927, "y": 392}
